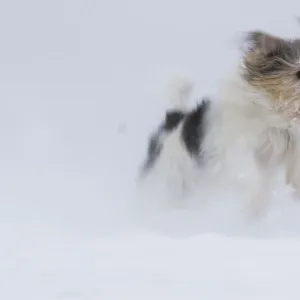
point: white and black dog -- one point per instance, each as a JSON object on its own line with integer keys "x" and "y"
{"x": 252, "y": 128}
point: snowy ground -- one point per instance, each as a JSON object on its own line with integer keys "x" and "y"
{"x": 77, "y": 77}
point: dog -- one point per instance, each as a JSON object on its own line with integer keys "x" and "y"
{"x": 248, "y": 133}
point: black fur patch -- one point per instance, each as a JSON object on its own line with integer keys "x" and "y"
{"x": 193, "y": 130}
{"x": 172, "y": 120}
{"x": 192, "y": 134}
{"x": 154, "y": 148}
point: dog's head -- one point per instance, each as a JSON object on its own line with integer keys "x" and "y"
{"x": 272, "y": 65}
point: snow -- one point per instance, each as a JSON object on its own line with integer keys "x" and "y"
{"x": 80, "y": 89}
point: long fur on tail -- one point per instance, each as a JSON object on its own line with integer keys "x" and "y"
{"x": 178, "y": 92}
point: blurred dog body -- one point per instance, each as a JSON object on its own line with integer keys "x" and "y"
{"x": 248, "y": 133}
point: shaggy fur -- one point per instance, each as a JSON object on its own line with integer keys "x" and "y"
{"x": 252, "y": 129}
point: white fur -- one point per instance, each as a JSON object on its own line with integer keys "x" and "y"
{"x": 246, "y": 141}
{"x": 173, "y": 175}
{"x": 174, "y": 172}
{"x": 242, "y": 121}
{"x": 178, "y": 92}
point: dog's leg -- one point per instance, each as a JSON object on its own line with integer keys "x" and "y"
{"x": 260, "y": 195}
{"x": 293, "y": 166}
{"x": 255, "y": 181}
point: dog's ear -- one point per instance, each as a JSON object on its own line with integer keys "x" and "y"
{"x": 266, "y": 44}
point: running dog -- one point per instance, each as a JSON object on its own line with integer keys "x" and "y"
{"x": 251, "y": 130}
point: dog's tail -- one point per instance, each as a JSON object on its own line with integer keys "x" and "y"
{"x": 178, "y": 92}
